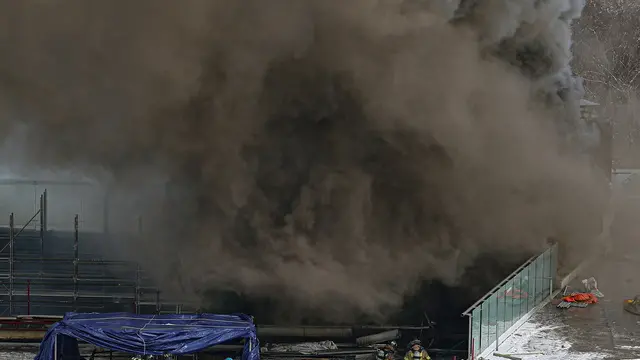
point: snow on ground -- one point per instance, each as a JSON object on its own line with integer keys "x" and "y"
{"x": 534, "y": 341}
{"x": 14, "y": 355}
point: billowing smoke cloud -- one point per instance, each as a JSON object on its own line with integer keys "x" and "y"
{"x": 331, "y": 153}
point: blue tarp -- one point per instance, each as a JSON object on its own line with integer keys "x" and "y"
{"x": 149, "y": 334}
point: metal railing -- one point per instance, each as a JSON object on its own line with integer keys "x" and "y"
{"x": 491, "y": 317}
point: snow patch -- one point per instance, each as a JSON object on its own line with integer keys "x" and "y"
{"x": 534, "y": 341}
{"x": 628, "y": 347}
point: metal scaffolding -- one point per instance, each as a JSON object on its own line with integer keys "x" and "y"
{"x": 45, "y": 273}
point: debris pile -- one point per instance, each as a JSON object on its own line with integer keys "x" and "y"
{"x": 581, "y": 300}
{"x": 591, "y": 286}
{"x": 305, "y": 347}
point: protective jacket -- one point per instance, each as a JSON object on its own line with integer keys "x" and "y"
{"x": 417, "y": 355}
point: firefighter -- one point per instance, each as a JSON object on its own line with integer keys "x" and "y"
{"x": 385, "y": 353}
{"x": 394, "y": 345}
{"x": 393, "y": 350}
{"x": 382, "y": 354}
{"x": 416, "y": 351}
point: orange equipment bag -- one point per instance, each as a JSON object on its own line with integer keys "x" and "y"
{"x": 581, "y": 297}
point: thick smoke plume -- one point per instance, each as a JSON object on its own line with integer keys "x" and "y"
{"x": 331, "y": 153}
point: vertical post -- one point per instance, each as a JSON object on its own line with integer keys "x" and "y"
{"x": 41, "y": 229}
{"x": 497, "y": 336}
{"x": 552, "y": 269}
{"x": 521, "y": 294}
{"x": 480, "y": 332}
{"x": 504, "y": 306}
{"x": 105, "y": 210}
{"x": 137, "y": 294}
{"x": 535, "y": 282}
{"x": 11, "y": 252}
{"x": 158, "y": 302}
{"x": 29, "y": 297}
{"x": 55, "y": 347}
{"x": 45, "y": 210}
{"x": 76, "y": 260}
{"x": 473, "y": 349}
{"x": 470, "y": 337}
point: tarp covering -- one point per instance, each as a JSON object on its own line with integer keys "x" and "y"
{"x": 150, "y": 334}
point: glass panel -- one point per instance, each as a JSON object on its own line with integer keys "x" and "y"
{"x": 476, "y": 317}
{"x": 532, "y": 284}
{"x": 484, "y": 326}
{"x": 547, "y": 273}
{"x": 492, "y": 326}
{"x": 554, "y": 262}
{"x": 539, "y": 266}
{"x": 508, "y": 304}
{"x": 500, "y": 312}
{"x": 516, "y": 298}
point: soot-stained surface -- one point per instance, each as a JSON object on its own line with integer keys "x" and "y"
{"x": 441, "y": 303}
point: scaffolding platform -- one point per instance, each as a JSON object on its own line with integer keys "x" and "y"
{"x": 44, "y": 272}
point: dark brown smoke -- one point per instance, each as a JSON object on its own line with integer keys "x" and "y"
{"x": 332, "y": 154}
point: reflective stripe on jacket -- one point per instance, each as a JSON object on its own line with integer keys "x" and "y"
{"x": 425, "y": 355}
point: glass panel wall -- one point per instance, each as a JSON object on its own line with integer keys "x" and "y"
{"x": 501, "y": 309}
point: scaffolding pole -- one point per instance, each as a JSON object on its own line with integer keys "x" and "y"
{"x": 105, "y": 210}
{"x": 45, "y": 211}
{"x": 53, "y": 287}
{"x": 158, "y": 305}
{"x": 11, "y": 253}
{"x": 41, "y": 213}
{"x": 75, "y": 263}
{"x": 137, "y": 294}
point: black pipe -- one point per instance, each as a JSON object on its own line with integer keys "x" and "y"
{"x": 326, "y": 331}
{"x": 302, "y": 331}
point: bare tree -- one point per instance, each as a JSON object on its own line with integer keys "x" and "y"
{"x": 607, "y": 56}
{"x": 607, "y": 49}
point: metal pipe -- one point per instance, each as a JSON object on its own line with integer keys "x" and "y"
{"x": 45, "y": 211}
{"x": 68, "y": 260}
{"x": 43, "y": 182}
{"x": 41, "y": 227}
{"x": 28, "y": 222}
{"x": 105, "y": 211}
{"x": 75, "y": 262}
{"x": 473, "y": 349}
{"x": 378, "y": 338}
{"x": 28, "y": 297}
{"x": 302, "y": 331}
{"x": 11, "y": 253}
{"x": 137, "y": 293}
{"x": 470, "y": 336}
{"x": 158, "y": 302}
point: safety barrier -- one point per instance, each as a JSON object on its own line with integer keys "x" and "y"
{"x": 492, "y": 317}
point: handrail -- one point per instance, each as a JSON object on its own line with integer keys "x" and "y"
{"x": 497, "y": 287}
